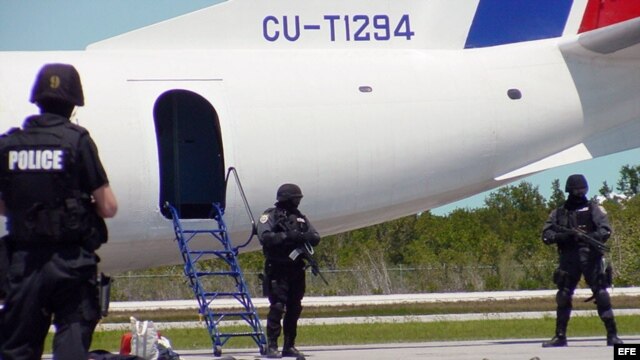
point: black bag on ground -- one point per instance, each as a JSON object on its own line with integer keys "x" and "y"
{"x": 105, "y": 355}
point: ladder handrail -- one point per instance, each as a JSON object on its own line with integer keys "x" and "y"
{"x": 254, "y": 229}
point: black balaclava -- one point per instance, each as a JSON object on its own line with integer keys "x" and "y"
{"x": 577, "y": 188}
{"x": 290, "y": 205}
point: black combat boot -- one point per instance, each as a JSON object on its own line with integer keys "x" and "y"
{"x": 289, "y": 350}
{"x": 562, "y": 321}
{"x": 612, "y": 332}
{"x": 272, "y": 349}
{"x": 613, "y": 339}
{"x": 556, "y": 341}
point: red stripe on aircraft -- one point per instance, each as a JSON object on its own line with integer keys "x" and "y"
{"x": 601, "y": 13}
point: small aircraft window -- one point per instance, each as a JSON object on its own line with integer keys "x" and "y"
{"x": 514, "y": 94}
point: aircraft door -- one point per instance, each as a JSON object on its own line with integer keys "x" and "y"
{"x": 190, "y": 154}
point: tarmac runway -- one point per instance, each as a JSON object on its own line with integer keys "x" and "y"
{"x": 588, "y": 348}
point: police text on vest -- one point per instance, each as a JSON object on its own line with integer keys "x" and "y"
{"x": 44, "y": 159}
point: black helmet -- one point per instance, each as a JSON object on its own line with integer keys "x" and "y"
{"x": 288, "y": 191}
{"x": 58, "y": 82}
{"x": 576, "y": 181}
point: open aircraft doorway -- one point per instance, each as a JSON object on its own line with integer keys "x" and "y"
{"x": 190, "y": 154}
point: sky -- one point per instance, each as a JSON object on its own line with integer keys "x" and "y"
{"x": 33, "y": 25}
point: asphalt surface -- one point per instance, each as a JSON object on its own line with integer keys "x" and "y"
{"x": 591, "y": 348}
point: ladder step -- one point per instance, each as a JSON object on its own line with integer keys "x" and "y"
{"x": 203, "y": 231}
{"x": 216, "y": 273}
{"x": 241, "y": 334}
{"x": 228, "y": 294}
{"x": 210, "y": 252}
{"x": 236, "y": 313}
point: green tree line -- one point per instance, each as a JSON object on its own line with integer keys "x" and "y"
{"x": 494, "y": 247}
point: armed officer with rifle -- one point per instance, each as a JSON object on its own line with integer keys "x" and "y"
{"x": 580, "y": 228}
{"x": 287, "y": 239}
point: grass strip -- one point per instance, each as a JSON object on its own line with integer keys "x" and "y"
{"x": 410, "y": 309}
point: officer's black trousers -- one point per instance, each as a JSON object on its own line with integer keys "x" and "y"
{"x": 287, "y": 287}
{"x": 46, "y": 283}
{"x": 574, "y": 263}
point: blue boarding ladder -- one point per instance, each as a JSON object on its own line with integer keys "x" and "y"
{"x": 198, "y": 276}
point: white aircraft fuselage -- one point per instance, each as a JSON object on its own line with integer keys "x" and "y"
{"x": 370, "y": 133}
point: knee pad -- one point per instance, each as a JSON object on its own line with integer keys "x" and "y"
{"x": 560, "y": 278}
{"x": 277, "y": 308}
{"x": 603, "y": 301}
{"x": 563, "y": 298}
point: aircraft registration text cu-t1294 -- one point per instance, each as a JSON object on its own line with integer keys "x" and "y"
{"x": 339, "y": 27}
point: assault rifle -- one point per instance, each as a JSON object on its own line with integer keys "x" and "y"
{"x": 582, "y": 236}
{"x": 306, "y": 250}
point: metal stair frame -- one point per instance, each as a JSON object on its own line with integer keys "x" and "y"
{"x": 229, "y": 255}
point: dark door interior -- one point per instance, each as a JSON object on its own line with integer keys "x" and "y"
{"x": 190, "y": 154}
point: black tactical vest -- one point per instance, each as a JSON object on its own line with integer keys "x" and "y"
{"x": 40, "y": 184}
{"x": 581, "y": 219}
{"x": 283, "y": 222}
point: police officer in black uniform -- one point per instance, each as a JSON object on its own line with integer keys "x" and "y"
{"x": 55, "y": 193}
{"x": 281, "y": 230}
{"x": 578, "y": 258}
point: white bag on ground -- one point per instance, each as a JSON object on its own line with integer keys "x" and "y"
{"x": 144, "y": 339}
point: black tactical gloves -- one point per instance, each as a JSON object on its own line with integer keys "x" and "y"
{"x": 563, "y": 237}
